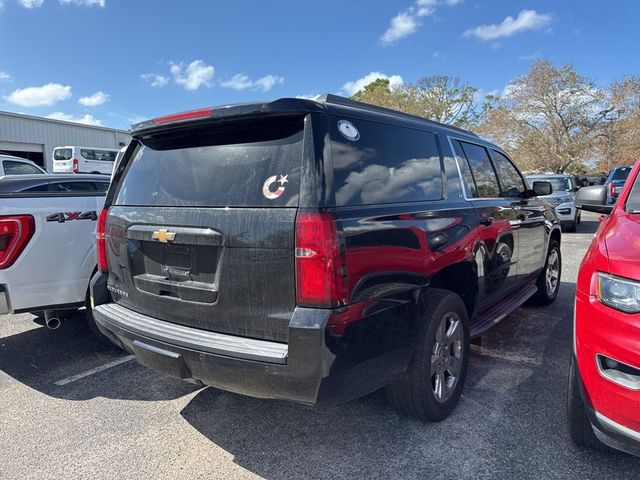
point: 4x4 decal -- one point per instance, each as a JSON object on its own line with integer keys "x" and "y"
{"x": 68, "y": 216}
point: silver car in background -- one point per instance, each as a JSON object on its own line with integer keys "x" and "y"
{"x": 562, "y": 198}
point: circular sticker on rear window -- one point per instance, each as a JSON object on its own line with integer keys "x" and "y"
{"x": 348, "y": 130}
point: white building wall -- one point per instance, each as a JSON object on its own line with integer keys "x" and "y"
{"x": 25, "y": 129}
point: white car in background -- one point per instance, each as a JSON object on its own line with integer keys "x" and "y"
{"x": 10, "y": 165}
{"x": 562, "y": 198}
{"x": 74, "y": 159}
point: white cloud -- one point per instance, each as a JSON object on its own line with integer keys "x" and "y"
{"x": 267, "y": 82}
{"x": 407, "y": 21}
{"x": 240, "y": 81}
{"x": 155, "y": 79}
{"x": 194, "y": 76}
{"x": 31, "y": 3}
{"x": 48, "y": 95}
{"x": 86, "y": 119}
{"x": 526, "y": 20}
{"x": 4, "y": 77}
{"x": 1, "y": 6}
{"x": 401, "y": 25}
{"x": 86, "y": 3}
{"x": 355, "y": 86}
{"x": 94, "y": 100}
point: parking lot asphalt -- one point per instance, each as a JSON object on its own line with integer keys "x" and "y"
{"x": 71, "y": 407}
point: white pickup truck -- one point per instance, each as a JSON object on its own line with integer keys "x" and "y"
{"x": 47, "y": 242}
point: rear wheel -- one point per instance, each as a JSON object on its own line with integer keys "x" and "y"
{"x": 548, "y": 281}
{"x": 431, "y": 386}
{"x": 580, "y": 427}
{"x": 91, "y": 321}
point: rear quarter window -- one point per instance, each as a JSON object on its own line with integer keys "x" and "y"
{"x": 255, "y": 163}
{"x": 376, "y": 163}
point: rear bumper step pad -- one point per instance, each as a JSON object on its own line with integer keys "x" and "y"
{"x": 210, "y": 342}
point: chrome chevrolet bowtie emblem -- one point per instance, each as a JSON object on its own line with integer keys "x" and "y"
{"x": 163, "y": 235}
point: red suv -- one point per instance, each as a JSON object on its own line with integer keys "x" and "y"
{"x": 604, "y": 377}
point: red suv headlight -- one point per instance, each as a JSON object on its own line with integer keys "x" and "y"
{"x": 617, "y": 292}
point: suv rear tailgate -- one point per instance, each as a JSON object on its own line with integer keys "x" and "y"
{"x": 232, "y": 273}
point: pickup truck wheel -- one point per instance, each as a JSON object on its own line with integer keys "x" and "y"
{"x": 431, "y": 386}
{"x": 580, "y": 428}
{"x": 548, "y": 282}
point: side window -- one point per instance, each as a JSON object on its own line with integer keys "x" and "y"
{"x": 101, "y": 186}
{"x": 380, "y": 163}
{"x": 73, "y": 187}
{"x": 100, "y": 155}
{"x": 482, "y": 170}
{"x": 38, "y": 188}
{"x": 510, "y": 180}
{"x": 467, "y": 177}
{"x": 62, "y": 154}
{"x": 19, "y": 168}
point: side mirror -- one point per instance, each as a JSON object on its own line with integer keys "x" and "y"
{"x": 542, "y": 188}
{"x": 593, "y": 199}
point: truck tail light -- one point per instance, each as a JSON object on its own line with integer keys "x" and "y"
{"x": 101, "y": 238}
{"x": 75, "y": 165}
{"x": 15, "y": 233}
{"x": 320, "y": 279}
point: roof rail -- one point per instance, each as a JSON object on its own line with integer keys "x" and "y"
{"x": 347, "y": 102}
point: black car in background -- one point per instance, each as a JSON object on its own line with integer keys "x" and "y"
{"x": 316, "y": 251}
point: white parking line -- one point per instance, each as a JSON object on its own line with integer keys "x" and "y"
{"x": 92, "y": 371}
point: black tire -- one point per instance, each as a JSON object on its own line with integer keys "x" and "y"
{"x": 413, "y": 394}
{"x": 91, "y": 321}
{"x": 544, "y": 295}
{"x": 580, "y": 428}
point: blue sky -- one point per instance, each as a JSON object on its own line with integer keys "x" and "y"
{"x": 116, "y": 62}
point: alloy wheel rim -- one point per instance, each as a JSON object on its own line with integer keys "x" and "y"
{"x": 446, "y": 357}
{"x": 553, "y": 272}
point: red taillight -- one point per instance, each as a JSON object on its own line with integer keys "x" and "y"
{"x": 320, "y": 278}
{"x": 101, "y": 236}
{"x": 15, "y": 233}
{"x": 203, "y": 112}
{"x": 75, "y": 165}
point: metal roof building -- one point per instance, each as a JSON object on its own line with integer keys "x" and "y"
{"x": 35, "y": 138}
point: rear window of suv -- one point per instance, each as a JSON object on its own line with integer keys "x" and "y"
{"x": 621, "y": 173}
{"x": 380, "y": 163}
{"x": 246, "y": 164}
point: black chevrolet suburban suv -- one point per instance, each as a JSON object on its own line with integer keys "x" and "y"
{"x": 316, "y": 251}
